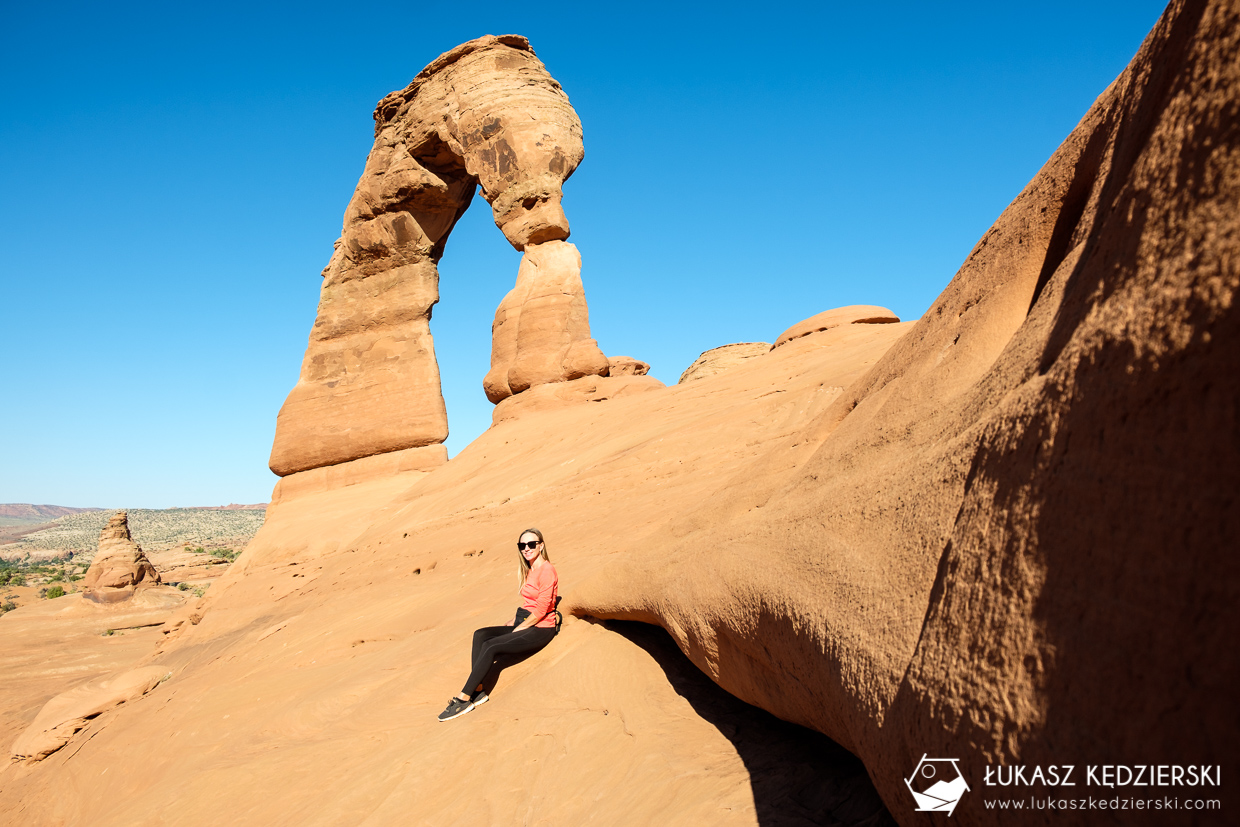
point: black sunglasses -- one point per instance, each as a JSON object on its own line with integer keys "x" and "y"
{"x": 532, "y": 544}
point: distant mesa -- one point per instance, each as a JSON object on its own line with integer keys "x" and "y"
{"x": 854, "y": 314}
{"x": 716, "y": 360}
{"x": 120, "y": 567}
{"x": 28, "y": 513}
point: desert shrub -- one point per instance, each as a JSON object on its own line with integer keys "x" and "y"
{"x": 73, "y": 578}
{"x": 226, "y": 553}
{"x": 5, "y": 576}
{"x": 19, "y": 579}
{"x": 183, "y": 586}
{"x": 57, "y": 577}
{"x": 55, "y": 592}
{"x": 7, "y": 606}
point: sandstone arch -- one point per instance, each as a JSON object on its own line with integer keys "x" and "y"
{"x": 485, "y": 114}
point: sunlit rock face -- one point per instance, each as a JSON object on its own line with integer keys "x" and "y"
{"x": 485, "y": 116}
{"x": 120, "y": 566}
{"x": 1011, "y": 538}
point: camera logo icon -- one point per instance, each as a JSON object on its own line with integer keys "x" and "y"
{"x": 937, "y": 784}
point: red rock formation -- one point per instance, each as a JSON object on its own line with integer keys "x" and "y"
{"x": 1012, "y": 541}
{"x": 120, "y": 567}
{"x": 541, "y": 332}
{"x": 485, "y": 114}
{"x": 1001, "y": 533}
{"x": 63, "y": 716}
{"x": 721, "y": 358}
{"x": 856, "y": 314}
{"x": 626, "y": 366}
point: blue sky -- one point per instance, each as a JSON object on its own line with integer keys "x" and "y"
{"x": 172, "y": 179}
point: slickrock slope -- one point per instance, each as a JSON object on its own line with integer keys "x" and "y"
{"x": 719, "y": 359}
{"x": 856, "y": 314}
{"x": 70, "y": 712}
{"x": 310, "y": 686}
{"x": 119, "y": 568}
{"x": 485, "y": 114}
{"x": 53, "y": 646}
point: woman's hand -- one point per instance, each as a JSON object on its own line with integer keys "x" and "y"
{"x": 528, "y": 623}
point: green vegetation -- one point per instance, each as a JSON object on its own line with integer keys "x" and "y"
{"x": 55, "y": 592}
{"x": 223, "y": 553}
{"x": 183, "y": 586}
{"x": 7, "y": 606}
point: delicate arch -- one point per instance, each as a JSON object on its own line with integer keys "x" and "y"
{"x": 486, "y": 114}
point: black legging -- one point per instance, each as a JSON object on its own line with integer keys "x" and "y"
{"x": 497, "y": 640}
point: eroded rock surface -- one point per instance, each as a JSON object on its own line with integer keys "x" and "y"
{"x": 541, "y": 332}
{"x": 626, "y": 366}
{"x": 66, "y": 714}
{"x": 718, "y": 359}
{"x": 855, "y": 314}
{"x": 560, "y": 394}
{"x": 120, "y": 567}
{"x": 486, "y": 114}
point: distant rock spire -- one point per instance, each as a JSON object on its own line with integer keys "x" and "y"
{"x": 120, "y": 566}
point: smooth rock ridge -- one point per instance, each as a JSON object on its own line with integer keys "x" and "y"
{"x": 854, "y": 314}
{"x": 716, "y": 360}
{"x": 485, "y": 114}
{"x": 120, "y": 566}
{"x": 69, "y": 712}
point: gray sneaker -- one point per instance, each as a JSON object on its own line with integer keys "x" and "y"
{"x": 456, "y": 708}
{"x": 480, "y": 699}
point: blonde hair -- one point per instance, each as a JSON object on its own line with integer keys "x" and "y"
{"x": 523, "y": 566}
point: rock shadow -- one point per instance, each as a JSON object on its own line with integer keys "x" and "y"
{"x": 799, "y": 777}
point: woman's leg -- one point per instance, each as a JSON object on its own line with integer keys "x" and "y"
{"x": 516, "y": 643}
{"x": 482, "y": 636}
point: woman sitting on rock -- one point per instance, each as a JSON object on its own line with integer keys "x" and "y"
{"x": 531, "y": 629}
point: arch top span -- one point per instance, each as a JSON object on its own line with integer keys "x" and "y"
{"x": 486, "y": 115}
